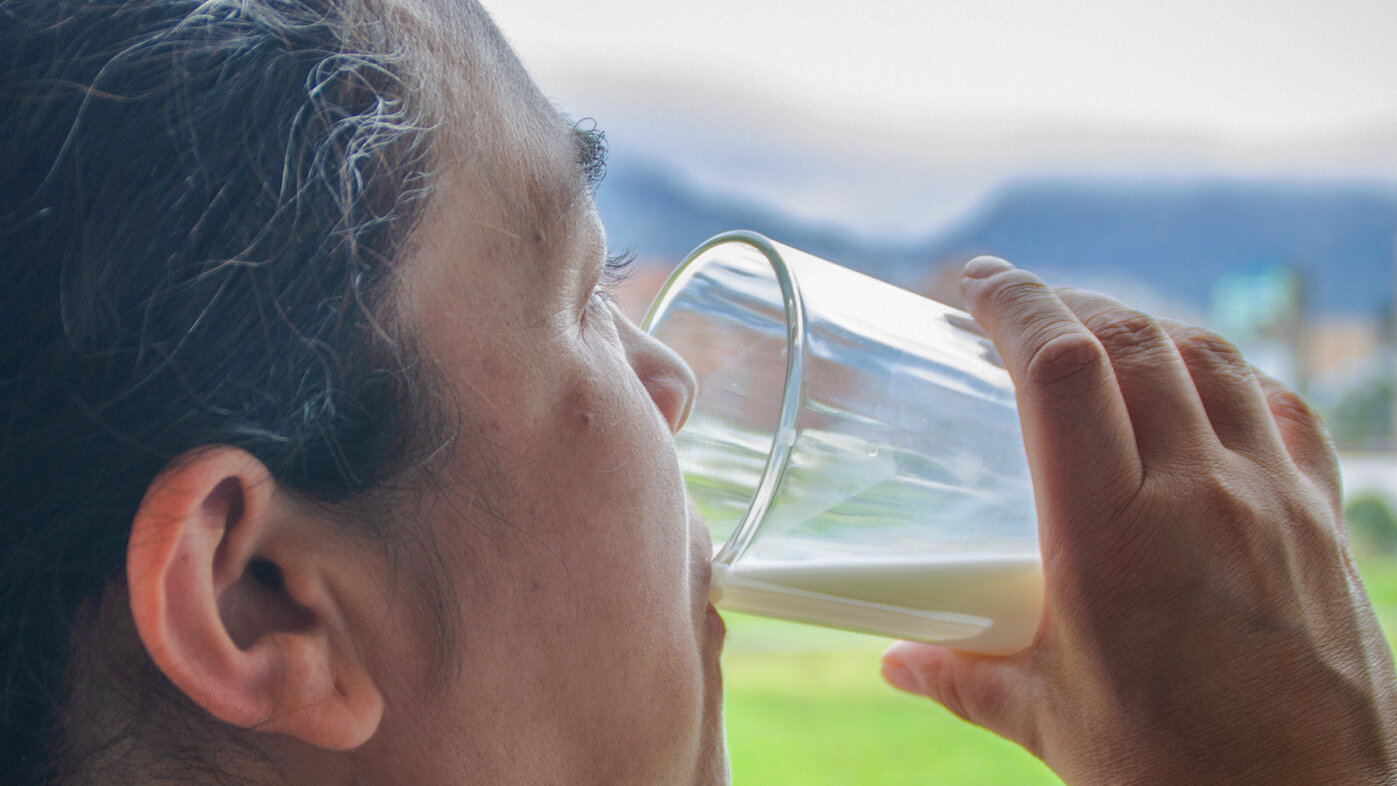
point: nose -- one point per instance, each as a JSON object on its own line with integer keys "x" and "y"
{"x": 665, "y": 375}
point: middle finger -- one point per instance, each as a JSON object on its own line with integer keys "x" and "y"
{"x": 1166, "y": 413}
{"x": 1232, "y": 396}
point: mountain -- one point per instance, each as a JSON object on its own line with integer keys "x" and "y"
{"x": 1179, "y": 236}
{"x": 657, "y": 213}
{"x": 1175, "y": 236}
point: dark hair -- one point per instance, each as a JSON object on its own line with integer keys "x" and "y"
{"x": 200, "y": 207}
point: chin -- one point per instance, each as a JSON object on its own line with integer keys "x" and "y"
{"x": 713, "y": 770}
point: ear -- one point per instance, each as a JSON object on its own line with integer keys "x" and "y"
{"x": 231, "y": 589}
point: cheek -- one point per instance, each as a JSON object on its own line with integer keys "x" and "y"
{"x": 620, "y": 542}
{"x": 624, "y": 486}
{"x": 625, "y": 489}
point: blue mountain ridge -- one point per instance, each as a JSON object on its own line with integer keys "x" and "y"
{"x": 1175, "y": 236}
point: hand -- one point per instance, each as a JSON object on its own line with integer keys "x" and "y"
{"x": 1204, "y": 622}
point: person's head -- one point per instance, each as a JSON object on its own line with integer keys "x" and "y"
{"x": 322, "y": 455}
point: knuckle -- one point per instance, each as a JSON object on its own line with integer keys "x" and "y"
{"x": 1207, "y": 345}
{"x": 1310, "y": 444}
{"x": 1073, "y": 296}
{"x": 1206, "y": 352}
{"x": 1329, "y": 454}
{"x": 1290, "y": 406}
{"x": 1126, "y": 332}
{"x": 1070, "y": 359}
{"x": 1010, "y": 289}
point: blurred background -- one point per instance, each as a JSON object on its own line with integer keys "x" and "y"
{"x": 1231, "y": 164}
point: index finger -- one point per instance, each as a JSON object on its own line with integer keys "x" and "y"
{"x": 1076, "y": 427}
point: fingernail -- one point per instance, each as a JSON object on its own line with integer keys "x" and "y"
{"x": 984, "y": 267}
{"x": 901, "y": 677}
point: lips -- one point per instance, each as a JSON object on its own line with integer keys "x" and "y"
{"x": 716, "y": 627}
{"x": 703, "y": 577}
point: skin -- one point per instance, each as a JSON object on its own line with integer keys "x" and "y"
{"x": 589, "y": 631}
{"x": 586, "y": 650}
{"x": 1203, "y": 621}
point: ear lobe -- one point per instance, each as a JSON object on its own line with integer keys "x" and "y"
{"x": 233, "y": 601}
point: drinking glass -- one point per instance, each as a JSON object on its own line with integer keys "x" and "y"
{"x": 855, "y": 449}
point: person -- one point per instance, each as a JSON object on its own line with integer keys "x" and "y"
{"x": 326, "y": 458}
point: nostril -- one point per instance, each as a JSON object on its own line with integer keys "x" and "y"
{"x": 666, "y": 377}
{"x": 672, "y": 390}
{"x": 688, "y": 409}
{"x": 685, "y": 386}
{"x": 690, "y": 395}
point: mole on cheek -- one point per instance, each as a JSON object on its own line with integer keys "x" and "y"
{"x": 581, "y": 413}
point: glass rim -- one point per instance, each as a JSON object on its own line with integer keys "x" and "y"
{"x": 792, "y": 395}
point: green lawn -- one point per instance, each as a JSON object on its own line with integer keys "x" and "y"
{"x": 806, "y": 707}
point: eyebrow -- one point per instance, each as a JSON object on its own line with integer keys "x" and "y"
{"x": 590, "y": 143}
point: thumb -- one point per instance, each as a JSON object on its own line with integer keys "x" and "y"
{"x": 989, "y": 691}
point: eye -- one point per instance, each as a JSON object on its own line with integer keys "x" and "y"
{"x": 615, "y": 271}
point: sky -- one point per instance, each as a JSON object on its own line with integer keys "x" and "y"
{"x": 903, "y": 116}
{"x": 1269, "y": 71}
{"x": 907, "y": 117}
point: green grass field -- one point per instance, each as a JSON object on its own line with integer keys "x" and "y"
{"x": 806, "y": 707}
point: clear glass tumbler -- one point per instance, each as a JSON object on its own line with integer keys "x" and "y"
{"x": 855, "y": 449}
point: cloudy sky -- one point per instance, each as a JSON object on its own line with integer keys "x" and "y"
{"x": 1268, "y": 69}
{"x": 914, "y": 109}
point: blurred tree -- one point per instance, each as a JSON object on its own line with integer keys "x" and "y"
{"x": 1363, "y": 416}
{"x": 1372, "y": 524}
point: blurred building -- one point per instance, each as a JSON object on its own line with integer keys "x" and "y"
{"x": 1261, "y": 309}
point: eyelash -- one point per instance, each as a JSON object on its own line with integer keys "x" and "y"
{"x": 617, "y": 270}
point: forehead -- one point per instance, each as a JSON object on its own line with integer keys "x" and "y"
{"x": 498, "y": 130}
{"x": 511, "y": 213}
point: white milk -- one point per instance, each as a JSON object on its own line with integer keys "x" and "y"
{"x": 985, "y": 604}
